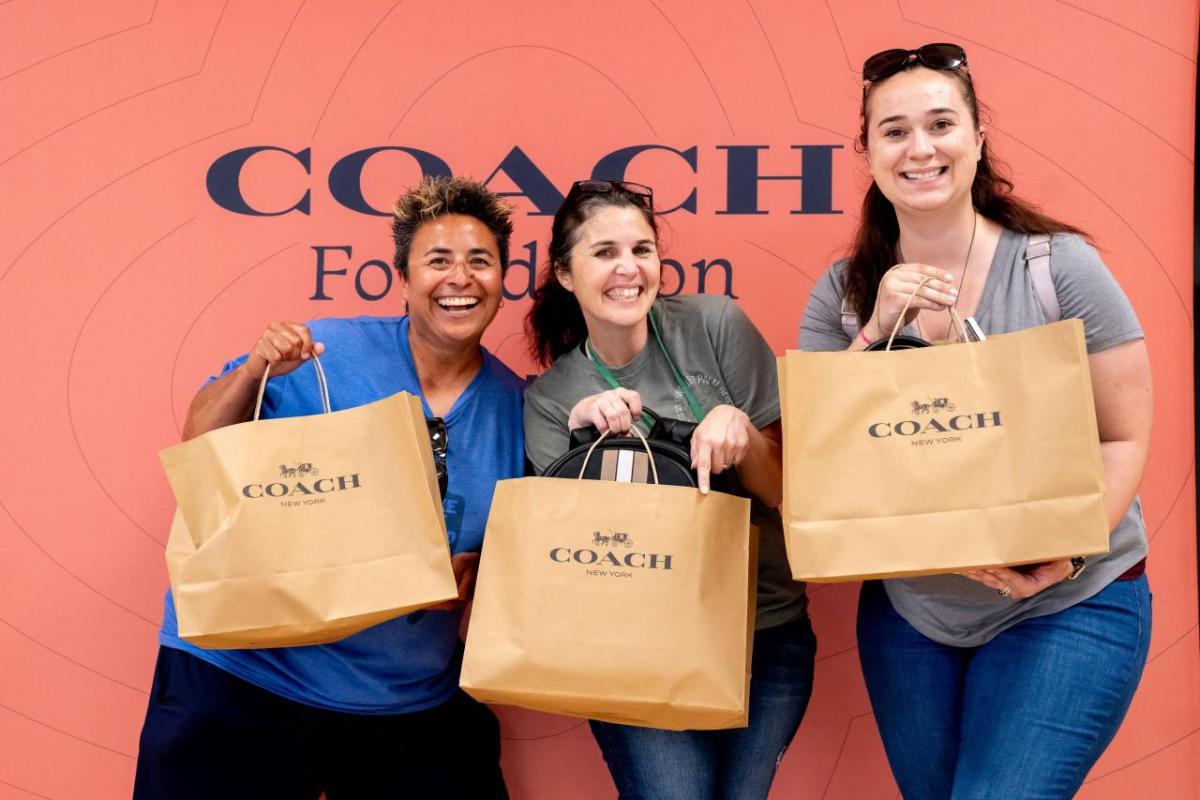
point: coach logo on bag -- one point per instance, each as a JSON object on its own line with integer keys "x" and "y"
{"x": 609, "y": 562}
{"x": 934, "y": 404}
{"x": 612, "y": 538}
{"x": 305, "y": 468}
{"x": 301, "y": 492}
{"x": 951, "y": 427}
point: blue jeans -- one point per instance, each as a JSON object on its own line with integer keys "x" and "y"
{"x": 652, "y": 764}
{"x": 1024, "y": 716}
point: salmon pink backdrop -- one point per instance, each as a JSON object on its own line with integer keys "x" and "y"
{"x": 137, "y": 255}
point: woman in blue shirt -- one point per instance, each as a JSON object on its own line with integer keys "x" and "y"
{"x": 378, "y": 713}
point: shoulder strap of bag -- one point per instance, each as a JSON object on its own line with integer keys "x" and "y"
{"x": 849, "y": 321}
{"x": 1037, "y": 261}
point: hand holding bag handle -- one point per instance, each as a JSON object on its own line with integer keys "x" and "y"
{"x": 668, "y": 440}
{"x": 664, "y": 429}
{"x": 954, "y": 316}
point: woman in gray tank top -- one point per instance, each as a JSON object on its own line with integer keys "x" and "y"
{"x": 998, "y": 682}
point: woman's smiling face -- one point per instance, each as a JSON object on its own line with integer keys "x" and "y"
{"x": 454, "y": 282}
{"x": 923, "y": 143}
{"x": 614, "y": 268}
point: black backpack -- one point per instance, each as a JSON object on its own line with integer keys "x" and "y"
{"x": 625, "y": 458}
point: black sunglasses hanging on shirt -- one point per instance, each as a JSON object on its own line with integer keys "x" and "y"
{"x": 439, "y": 440}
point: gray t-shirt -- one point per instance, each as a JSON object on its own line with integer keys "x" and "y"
{"x": 950, "y": 608}
{"x": 726, "y": 361}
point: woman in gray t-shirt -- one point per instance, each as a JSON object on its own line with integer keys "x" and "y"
{"x": 612, "y": 345}
{"x": 997, "y": 682}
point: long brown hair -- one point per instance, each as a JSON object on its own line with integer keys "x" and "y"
{"x": 874, "y": 250}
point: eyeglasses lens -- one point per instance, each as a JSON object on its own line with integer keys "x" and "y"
{"x": 883, "y": 64}
{"x": 942, "y": 56}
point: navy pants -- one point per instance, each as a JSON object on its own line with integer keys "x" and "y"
{"x": 211, "y": 735}
{"x": 1025, "y": 715}
{"x": 653, "y": 764}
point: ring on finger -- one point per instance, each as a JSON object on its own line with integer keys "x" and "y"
{"x": 1006, "y": 592}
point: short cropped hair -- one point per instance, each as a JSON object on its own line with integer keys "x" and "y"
{"x": 439, "y": 196}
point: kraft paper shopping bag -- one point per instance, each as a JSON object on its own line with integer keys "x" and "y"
{"x": 304, "y": 530}
{"x": 938, "y": 459}
{"x": 623, "y": 602}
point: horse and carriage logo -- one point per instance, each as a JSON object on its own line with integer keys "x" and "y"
{"x": 612, "y": 539}
{"x": 934, "y": 404}
{"x": 305, "y": 468}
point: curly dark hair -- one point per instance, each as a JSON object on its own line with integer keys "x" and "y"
{"x": 437, "y": 196}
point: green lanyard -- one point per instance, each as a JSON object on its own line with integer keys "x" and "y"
{"x": 606, "y": 373}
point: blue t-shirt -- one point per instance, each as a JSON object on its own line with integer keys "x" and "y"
{"x": 412, "y": 662}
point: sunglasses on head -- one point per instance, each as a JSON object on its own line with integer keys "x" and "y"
{"x": 439, "y": 440}
{"x": 639, "y": 190}
{"x": 938, "y": 55}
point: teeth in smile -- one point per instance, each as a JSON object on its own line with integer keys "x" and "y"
{"x": 457, "y": 302}
{"x": 925, "y": 173}
{"x": 623, "y": 294}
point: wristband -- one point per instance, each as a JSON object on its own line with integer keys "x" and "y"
{"x": 864, "y": 337}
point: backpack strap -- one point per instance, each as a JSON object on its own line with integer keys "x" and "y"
{"x": 1037, "y": 261}
{"x": 849, "y": 321}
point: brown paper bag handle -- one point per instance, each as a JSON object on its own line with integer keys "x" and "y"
{"x": 955, "y": 319}
{"x": 322, "y": 386}
{"x": 645, "y": 444}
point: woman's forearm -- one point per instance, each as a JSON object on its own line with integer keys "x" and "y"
{"x": 1124, "y": 462}
{"x": 761, "y": 471}
{"x": 225, "y": 401}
